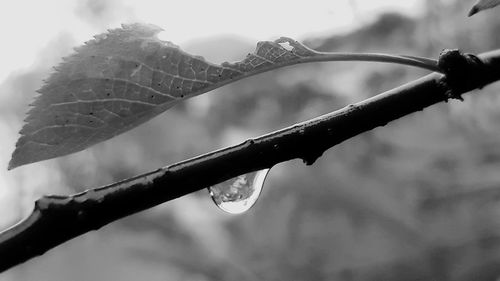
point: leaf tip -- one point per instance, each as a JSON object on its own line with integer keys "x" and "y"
{"x": 473, "y": 11}
{"x": 16, "y": 159}
{"x": 10, "y": 166}
{"x": 483, "y": 5}
{"x": 13, "y": 163}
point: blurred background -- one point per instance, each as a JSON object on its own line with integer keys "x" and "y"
{"x": 414, "y": 200}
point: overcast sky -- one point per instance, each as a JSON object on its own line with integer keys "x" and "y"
{"x": 26, "y": 26}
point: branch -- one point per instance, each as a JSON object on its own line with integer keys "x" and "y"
{"x": 57, "y": 219}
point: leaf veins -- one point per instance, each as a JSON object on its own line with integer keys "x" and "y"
{"x": 123, "y": 78}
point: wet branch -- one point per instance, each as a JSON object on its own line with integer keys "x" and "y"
{"x": 57, "y": 219}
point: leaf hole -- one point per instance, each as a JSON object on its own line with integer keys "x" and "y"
{"x": 286, "y": 46}
{"x": 152, "y": 96}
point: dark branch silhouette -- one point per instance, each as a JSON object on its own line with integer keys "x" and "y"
{"x": 56, "y": 219}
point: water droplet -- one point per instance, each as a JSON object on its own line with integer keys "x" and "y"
{"x": 239, "y": 194}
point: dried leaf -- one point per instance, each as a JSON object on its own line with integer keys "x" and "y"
{"x": 483, "y": 5}
{"x": 122, "y": 79}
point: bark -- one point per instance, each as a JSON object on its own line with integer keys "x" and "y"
{"x": 57, "y": 219}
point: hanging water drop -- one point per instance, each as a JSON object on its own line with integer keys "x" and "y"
{"x": 239, "y": 194}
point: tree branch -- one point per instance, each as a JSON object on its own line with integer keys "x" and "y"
{"x": 56, "y": 219}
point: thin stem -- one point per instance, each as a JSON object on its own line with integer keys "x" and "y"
{"x": 420, "y": 62}
{"x": 425, "y": 60}
{"x": 425, "y": 63}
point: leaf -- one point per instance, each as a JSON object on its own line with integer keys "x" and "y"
{"x": 123, "y": 78}
{"x": 483, "y": 5}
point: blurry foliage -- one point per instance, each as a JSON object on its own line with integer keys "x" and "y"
{"x": 414, "y": 200}
{"x": 391, "y": 27}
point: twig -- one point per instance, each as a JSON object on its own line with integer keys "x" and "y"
{"x": 56, "y": 219}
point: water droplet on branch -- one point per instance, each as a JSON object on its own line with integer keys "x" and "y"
{"x": 239, "y": 194}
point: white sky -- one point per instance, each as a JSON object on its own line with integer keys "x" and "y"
{"x": 27, "y": 25}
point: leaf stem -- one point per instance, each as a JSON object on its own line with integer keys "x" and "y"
{"x": 421, "y": 62}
